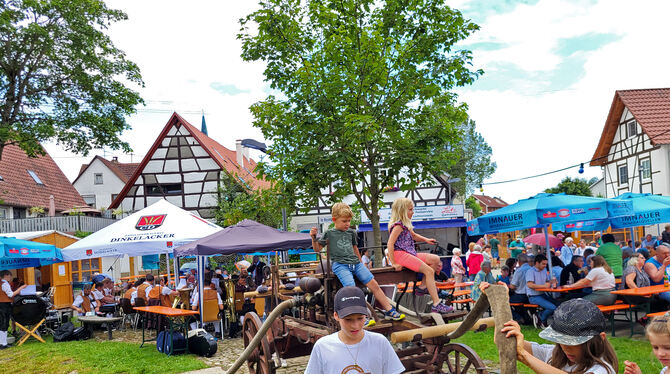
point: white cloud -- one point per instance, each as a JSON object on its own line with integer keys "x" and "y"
{"x": 531, "y": 132}
{"x": 182, "y": 47}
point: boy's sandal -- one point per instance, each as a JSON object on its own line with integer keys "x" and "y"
{"x": 394, "y": 314}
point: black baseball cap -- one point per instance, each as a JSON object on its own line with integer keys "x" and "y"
{"x": 350, "y": 300}
{"x": 575, "y": 322}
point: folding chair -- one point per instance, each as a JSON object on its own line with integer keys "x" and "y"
{"x": 129, "y": 314}
{"x": 211, "y": 314}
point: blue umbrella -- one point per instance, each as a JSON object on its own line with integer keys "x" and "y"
{"x": 591, "y": 225}
{"x": 648, "y": 209}
{"x": 545, "y": 208}
{"x": 19, "y": 254}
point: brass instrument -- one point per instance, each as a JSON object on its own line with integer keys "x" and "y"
{"x": 229, "y": 301}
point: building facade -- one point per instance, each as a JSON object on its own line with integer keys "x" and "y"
{"x": 185, "y": 166}
{"x": 488, "y": 203}
{"x": 634, "y": 148}
{"x": 100, "y": 181}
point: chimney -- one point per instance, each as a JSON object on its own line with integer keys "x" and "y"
{"x": 239, "y": 152}
{"x": 115, "y": 159}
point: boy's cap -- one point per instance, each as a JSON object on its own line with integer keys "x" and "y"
{"x": 350, "y": 300}
{"x": 575, "y": 322}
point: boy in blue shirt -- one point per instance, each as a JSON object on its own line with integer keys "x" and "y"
{"x": 342, "y": 243}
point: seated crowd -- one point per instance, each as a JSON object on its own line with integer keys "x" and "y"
{"x": 590, "y": 272}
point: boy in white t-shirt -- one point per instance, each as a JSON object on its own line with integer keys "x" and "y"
{"x": 353, "y": 349}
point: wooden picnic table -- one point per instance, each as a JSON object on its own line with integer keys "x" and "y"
{"x": 642, "y": 291}
{"x": 173, "y": 315}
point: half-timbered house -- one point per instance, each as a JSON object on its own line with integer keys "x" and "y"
{"x": 184, "y": 166}
{"x": 634, "y": 148}
{"x": 442, "y": 213}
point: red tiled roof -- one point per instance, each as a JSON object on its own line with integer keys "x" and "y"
{"x": 491, "y": 202}
{"x": 223, "y": 156}
{"x": 121, "y": 170}
{"x": 651, "y": 109}
{"x": 18, "y": 188}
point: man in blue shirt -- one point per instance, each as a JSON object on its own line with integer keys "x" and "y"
{"x": 518, "y": 285}
{"x": 537, "y": 277}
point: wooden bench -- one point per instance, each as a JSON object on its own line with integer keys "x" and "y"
{"x": 611, "y": 309}
{"x": 461, "y": 293}
{"x": 657, "y": 314}
{"x": 464, "y": 302}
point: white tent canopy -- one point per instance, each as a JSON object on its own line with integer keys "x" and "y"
{"x": 156, "y": 229}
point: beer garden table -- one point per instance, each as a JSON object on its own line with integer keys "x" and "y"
{"x": 89, "y": 321}
{"x": 176, "y": 319}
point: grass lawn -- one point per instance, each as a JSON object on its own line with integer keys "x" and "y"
{"x": 626, "y": 349}
{"x": 91, "y": 356}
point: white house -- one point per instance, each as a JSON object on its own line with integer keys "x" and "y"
{"x": 100, "y": 181}
{"x": 634, "y": 148}
{"x": 437, "y": 213}
{"x": 185, "y": 166}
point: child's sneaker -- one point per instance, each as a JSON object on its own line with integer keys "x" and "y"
{"x": 441, "y": 308}
{"x": 394, "y": 314}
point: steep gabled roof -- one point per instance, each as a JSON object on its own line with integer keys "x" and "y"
{"x": 491, "y": 202}
{"x": 651, "y": 109}
{"x": 224, "y": 157}
{"x": 18, "y": 188}
{"x": 122, "y": 170}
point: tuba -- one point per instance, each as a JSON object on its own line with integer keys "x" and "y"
{"x": 229, "y": 300}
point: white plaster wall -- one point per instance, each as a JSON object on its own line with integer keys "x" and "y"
{"x": 111, "y": 184}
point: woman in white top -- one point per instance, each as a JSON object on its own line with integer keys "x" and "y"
{"x": 601, "y": 280}
{"x": 578, "y": 329}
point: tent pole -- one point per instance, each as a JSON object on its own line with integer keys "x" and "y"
{"x": 201, "y": 287}
{"x": 167, "y": 267}
{"x": 548, "y": 250}
{"x": 176, "y": 271}
{"x": 632, "y": 237}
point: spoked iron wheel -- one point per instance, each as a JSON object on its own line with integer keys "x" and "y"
{"x": 260, "y": 360}
{"x": 461, "y": 359}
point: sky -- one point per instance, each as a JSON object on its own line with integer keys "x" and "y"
{"x": 551, "y": 68}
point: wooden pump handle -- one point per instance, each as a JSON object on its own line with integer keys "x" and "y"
{"x": 439, "y": 330}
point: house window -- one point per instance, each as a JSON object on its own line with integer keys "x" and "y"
{"x": 623, "y": 174}
{"x": 89, "y": 199}
{"x": 160, "y": 189}
{"x": 632, "y": 128}
{"x": 35, "y": 177}
{"x": 3, "y": 213}
{"x": 83, "y": 270}
{"x": 645, "y": 168}
{"x": 97, "y": 178}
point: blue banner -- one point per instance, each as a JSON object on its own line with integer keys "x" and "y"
{"x": 151, "y": 262}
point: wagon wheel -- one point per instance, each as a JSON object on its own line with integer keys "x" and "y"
{"x": 260, "y": 360}
{"x": 461, "y": 359}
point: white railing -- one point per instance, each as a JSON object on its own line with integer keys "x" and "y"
{"x": 64, "y": 224}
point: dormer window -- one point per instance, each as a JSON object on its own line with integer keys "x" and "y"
{"x": 35, "y": 177}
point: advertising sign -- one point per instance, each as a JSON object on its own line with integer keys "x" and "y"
{"x": 422, "y": 213}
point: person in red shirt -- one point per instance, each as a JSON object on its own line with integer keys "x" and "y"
{"x": 474, "y": 261}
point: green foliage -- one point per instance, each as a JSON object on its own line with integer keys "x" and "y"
{"x": 36, "y": 211}
{"x": 94, "y": 357}
{"x": 75, "y": 211}
{"x": 237, "y": 202}
{"x": 577, "y": 186}
{"x": 470, "y": 159}
{"x": 82, "y": 234}
{"x": 61, "y": 78}
{"x": 365, "y": 94}
{"x": 471, "y": 203}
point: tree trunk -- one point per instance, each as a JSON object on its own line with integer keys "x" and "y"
{"x": 376, "y": 231}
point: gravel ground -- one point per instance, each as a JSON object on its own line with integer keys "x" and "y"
{"x": 228, "y": 351}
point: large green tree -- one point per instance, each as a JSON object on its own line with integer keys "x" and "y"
{"x": 365, "y": 97}
{"x": 576, "y": 186}
{"x": 238, "y": 201}
{"x": 470, "y": 159}
{"x": 61, "y": 78}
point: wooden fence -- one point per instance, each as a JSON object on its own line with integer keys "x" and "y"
{"x": 64, "y": 224}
